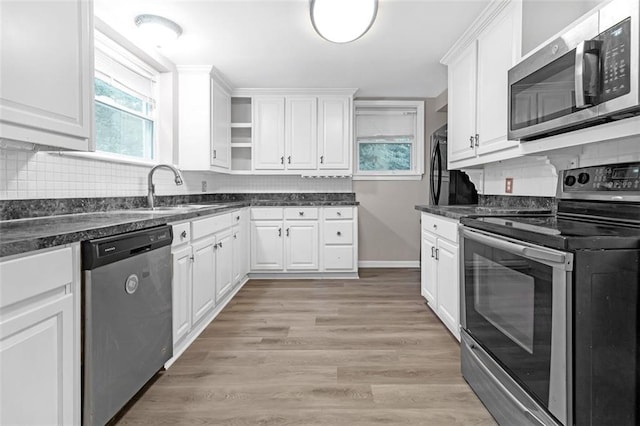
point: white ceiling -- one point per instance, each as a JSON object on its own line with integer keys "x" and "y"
{"x": 272, "y": 44}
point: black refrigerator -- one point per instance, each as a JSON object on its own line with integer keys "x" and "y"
{"x": 447, "y": 186}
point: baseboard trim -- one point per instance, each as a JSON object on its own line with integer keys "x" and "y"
{"x": 303, "y": 275}
{"x": 389, "y": 264}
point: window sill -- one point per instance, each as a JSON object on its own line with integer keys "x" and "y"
{"x": 387, "y": 177}
{"x": 109, "y": 158}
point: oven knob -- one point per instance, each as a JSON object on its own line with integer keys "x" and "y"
{"x": 583, "y": 178}
{"x": 570, "y": 180}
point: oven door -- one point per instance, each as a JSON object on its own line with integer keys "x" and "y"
{"x": 516, "y": 306}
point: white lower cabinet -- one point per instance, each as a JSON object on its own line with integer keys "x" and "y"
{"x": 304, "y": 239}
{"x": 40, "y": 338}
{"x": 209, "y": 258}
{"x": 440, "y": 269}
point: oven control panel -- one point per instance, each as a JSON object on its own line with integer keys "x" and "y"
{"x": 614, "y": 177}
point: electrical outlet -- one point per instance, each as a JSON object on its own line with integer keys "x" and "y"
{"x": 508, "y": 185}
{"x": 204, "y": 186}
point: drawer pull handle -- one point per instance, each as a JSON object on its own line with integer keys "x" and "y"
{"x": 301, "y": 213}
{"x": 288, "y": 232}
{"x": 435, "y": 226}
{"x": 433, "y": 251}
{"x": 279, "y": 232}
{"x": 338, "y": 213}
{"x": 339, "y": 233}
{"x": 192, "y": 258}
{"x": 237, "y": 217}
{"x": 184, "y": 234}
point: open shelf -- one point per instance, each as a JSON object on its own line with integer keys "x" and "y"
{"x": 240, "y": 111}
{"x": 240, "y": 125}
{"x": 241, "y": 158}
{"x": 239, "y": 144}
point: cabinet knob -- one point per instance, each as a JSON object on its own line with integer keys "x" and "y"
{"x": 237, "y": 217}
{"x": 192, "y": 258}
{"x": 184, "y": 234}
{"x": 301, "y": 213}
{"x": 435, "y": 226}
{"x": 235, "y": 236}
{"x": 338, "y": 233}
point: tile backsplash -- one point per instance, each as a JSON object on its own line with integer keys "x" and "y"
{"x": 29, "y": 175}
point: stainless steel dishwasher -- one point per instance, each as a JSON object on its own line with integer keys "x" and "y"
{"x": 127, "y": 334}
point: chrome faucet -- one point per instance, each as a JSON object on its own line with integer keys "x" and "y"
{"x": 151, "y": 186}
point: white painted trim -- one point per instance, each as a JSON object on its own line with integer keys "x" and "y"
{"x": 387, "y": 177}
{"x": 304, "y": 275}
{"x": 389, "y": 264}
{"x": 473, "y": 31}
{"x": 107, "y": 157}
{"x": 249, "y": 92}
{"x": 203, "y": 324}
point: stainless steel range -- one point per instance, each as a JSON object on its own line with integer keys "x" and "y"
{"x": 550, "y": 305}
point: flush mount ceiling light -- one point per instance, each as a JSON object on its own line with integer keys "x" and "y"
{"x": 342, "y": 21}
{"x": 157, "y": 29}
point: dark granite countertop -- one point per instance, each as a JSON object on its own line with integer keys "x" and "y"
{"x": 28, "y": 234}
{"x": 475, "y": 210}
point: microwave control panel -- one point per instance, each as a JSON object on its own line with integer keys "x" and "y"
{"x": 615, "y": 59}
{"x": 617, "y": 177}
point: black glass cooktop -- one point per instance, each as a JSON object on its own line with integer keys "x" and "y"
{"x": 559, "y": 233}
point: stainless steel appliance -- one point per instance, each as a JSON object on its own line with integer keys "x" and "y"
{"x": 127, "y": 332}
{"x": 447, "y": 187}
{"x": 550, "y": 305}
{"x": 586, "y": 76}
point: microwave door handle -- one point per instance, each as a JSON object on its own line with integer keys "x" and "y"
{"x": 587, "y": 70}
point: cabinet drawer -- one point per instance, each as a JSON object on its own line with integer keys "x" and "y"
{"x": 338, "y": 258}
{"x": 181, "y": 233}
{"x": 35, "y": 274}
{"x": 331, "y": 213}
{"x": 203, "y": 227}
{"x": 239, "y": 216}
{"x": 338, "y": 232}
{"x": 293, "y": 213}
{"x": 445, "y": 228}
{"x": 266, "y": 213}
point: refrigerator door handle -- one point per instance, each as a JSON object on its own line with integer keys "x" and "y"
{"x": 438, "y": 157}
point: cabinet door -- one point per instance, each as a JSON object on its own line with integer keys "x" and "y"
{"x": 204, "y": 275}
{"x": 268, "y": 133}
{"x": 267, "y": 246}
{"x": 462, "y": 105}
{"x": 181, "y": 280}
{"x": 224, "y": 264}
{"x": 334, "y": 135}
{"x": 245, "y": 233}
{"x": 36, "y": 360}
{"x": 220, "y": 127}
{"x": 301, "y": 136}
{"x": 237, "y": 254}
{"x": 448, "y": 286}
{"x": 428, "y": 270}
{"x": 498, "y": 49}
{"x": 47, "y": 72}
{"x": 301, "y": 241}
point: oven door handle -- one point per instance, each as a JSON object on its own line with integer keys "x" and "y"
{"x": 535, "y": 253}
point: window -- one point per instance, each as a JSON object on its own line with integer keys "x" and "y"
{"x": 125, "y": 107}
{"x": 389, "y": 139}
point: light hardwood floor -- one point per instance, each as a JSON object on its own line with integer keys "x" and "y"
{"x": 318, "y": 352}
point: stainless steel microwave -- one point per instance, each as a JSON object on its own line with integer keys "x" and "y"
{"x": 586, "y": 76}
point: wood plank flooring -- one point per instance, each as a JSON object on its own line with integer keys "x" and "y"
{"x": 318, "y": 352}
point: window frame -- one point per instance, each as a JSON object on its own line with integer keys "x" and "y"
{"x": 417, "y": 149}
{"x": 126, "y": 58}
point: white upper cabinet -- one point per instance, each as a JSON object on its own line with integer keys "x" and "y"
{"x": 220, "y": 126}
{"x": 301, "y": 138}
{"x": 268, "y": 133}
{"x": 46, "y": 94}
{"x": 302, "y": 132}
{"x": 477, "y": 69}
{"x": 334, "y": 133}
{"x": 204, "y": 119}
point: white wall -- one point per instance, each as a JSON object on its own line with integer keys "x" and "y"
{"x": 27, "y": 175}
{"x": 538, "y": 175}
